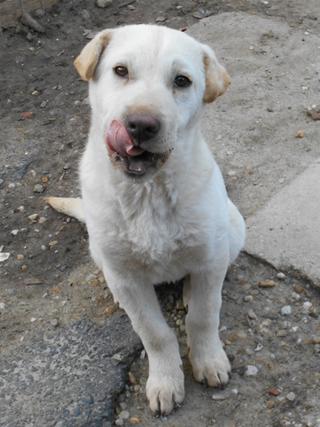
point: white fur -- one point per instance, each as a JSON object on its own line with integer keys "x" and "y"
{"x": 178, "y": 221}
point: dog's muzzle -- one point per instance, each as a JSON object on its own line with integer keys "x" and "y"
{"x": 126, "y": 143}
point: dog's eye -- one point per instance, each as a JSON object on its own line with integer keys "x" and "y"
{"x": 121, "y": 71}
{"x": 182, "y": 81}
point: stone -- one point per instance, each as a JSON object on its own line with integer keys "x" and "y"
{"x": 252, "y": 315}
{"x": 286, "y": 310}
{"x": 134, "y": 420}
{"x": 4, "y": 256}
{"x": 33, "y": 217}
{"x": 124, "y": 415}
{"x": 268, "y": 283}
{"x": 274, "y": 391}
{"x": 306, "y": 307}
{"x": 251, "y": 371}
{"x": 54, "y": 322}
{"x": 291, "y": 396}
{"x": 103, "y": 3}
{"x": 38, "y": 188}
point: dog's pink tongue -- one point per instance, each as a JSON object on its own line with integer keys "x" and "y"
{"x": 119, "y": 140}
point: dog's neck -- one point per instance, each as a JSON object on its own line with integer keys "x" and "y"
{"x": 179, "y": 170}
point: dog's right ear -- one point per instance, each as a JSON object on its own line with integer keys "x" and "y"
{"x": 86, "y": 63}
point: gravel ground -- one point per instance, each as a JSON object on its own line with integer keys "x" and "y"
{"x": 271, "y": 332}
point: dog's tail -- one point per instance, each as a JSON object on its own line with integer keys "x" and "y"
{"x": 67, "y": 205}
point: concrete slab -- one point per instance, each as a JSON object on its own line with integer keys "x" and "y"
{"x": 286, "y": 231}
{"x": 252, "y": 127}
{"x": 67, "y": 377}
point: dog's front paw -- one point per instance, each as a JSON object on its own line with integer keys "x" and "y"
{"x": 164, "y": 390}
{"x": 211, "y": 366}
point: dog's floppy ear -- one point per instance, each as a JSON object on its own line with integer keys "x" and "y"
{"x": 86, "y": 63}
{"x": 217, "y": 78}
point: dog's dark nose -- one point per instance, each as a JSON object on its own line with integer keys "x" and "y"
{"x": 142, "y": 127}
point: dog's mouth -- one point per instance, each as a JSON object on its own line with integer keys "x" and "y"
{"x": 123, "y": 151}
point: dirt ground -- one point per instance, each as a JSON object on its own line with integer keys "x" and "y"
{"x": 49, "y": 281}
{"x": 275, "y": 362}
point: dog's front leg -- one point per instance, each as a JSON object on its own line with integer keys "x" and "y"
{"x": 165, "y": 385}
{"x": 206, "y": 353}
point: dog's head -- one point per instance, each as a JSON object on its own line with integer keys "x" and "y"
{"x": 147, "y": 86}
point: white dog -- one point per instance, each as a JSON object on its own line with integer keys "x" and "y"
{"x": 153, "y": 198}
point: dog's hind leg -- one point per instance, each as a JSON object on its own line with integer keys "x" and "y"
{"x": 237, "y": 231}
{"x": 67, "y": 205}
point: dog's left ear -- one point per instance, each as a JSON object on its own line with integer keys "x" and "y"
{"x": 217, "y": 78}
{"x": 86, "y": 63}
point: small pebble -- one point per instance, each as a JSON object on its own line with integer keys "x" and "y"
{"x": 299, "y": 134}
{"x": 14, "y": 232}
{"x": 295, "y": 296}
{"x": 119, "y": 422}
{"x": 252, "y": 315}
{"x": 39, "y": 13}
{"x": 251, "y": 371}
{"x": 248, "y": 298}
{"x": 307, "y": 305}
{"x": 161, "y": 19}
{"x": 274, "y": 391}
{"x": 268, "y": 283}
{"x": 124, "y": 415}
{"x": 20, "y": 257}
{"x": 117, "y": 357}
{"x": 270, "y": 404}
{"x": 281, "y": 276}
{"x": 24, "y": 268}
{"x": 259, "y": 347}
{"x": 142, "y": 354}
{"x": 54, "y": 322}
{"x": 33, "y": 217}
{"x": 103, "y": 3}
{"x": 286, "y": 310}
{"x": 85, "y": 14}
{"x": 38, "y": 188}
{"x": 298, "y": 288}
{"x": 4, "y": 256}
{"x": 282, "y": 333}
{"x": 134, "y": 420}
{"x": 132, "y": 378}
{"x": 224, "y": 394}
{"x": 291, "y": 396}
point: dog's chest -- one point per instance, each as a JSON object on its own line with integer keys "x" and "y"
{"x": 156, "y": 233}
